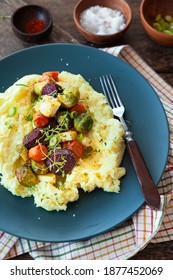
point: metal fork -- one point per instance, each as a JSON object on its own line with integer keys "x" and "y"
{"x": 149, "y": 189}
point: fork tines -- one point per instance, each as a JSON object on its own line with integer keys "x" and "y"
{"x": 110, "y": 91}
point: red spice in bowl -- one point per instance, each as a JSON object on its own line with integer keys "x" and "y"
{"x": 35, "y": 26}
{"x": 32, "y": 23}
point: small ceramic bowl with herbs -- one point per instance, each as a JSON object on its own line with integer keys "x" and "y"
{"x": 157, "y": 20}
{"x": 102, "y": 21}
{"x": 32, "y": 23}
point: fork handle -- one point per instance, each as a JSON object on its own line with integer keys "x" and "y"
{"x": 149, "y": 189}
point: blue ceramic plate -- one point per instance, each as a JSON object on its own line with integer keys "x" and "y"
{"x": 97, "y": 211}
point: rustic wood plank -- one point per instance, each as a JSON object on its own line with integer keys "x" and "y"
{"x": 158, "y": 251}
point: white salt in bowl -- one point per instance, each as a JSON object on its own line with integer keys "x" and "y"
{"x": 110, "y": 25}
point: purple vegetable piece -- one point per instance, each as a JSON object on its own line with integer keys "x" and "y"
{"x": 31, "y": 139}
{"x": 52, "y": 123}
{"x": 52, "y": 89}
{"x": 61, "y": 161}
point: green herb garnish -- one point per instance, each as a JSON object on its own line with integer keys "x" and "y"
{"x": 12, "y": 111}
{"x": 21, "y": 85}
{"x": 29, "y": 118}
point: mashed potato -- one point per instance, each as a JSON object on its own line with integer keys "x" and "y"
{"x": 99, "y": 170}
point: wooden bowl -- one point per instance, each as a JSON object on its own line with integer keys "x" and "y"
{"x": 148, "y": 11}
{"x": 27, "y": 14}
{"x": 120, "y": 5}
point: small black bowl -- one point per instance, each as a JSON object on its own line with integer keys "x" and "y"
{"x": 24, "y": 15}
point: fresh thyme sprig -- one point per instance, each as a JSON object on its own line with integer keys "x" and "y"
{"x": 47, "y": 134}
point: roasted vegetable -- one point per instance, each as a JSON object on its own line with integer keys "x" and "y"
{"x": 49, "y": 106}
{"x": 38, "y": 153}
{"x": 87, "y": 152}
{"x": 61, "y": 161}
{"x": 67, "y": 136}
{"x": 38, "y": 87}
{"x": 76, "y": 147}
{"x": 50, "y": 76}
{"x": 52, "y": 89}
{"x": 52, "y": 123}
{"x": 39, "y": 167}
{"x": 25, "y": 176}
{"x": 58, "y": 138}
{"x": 69, "y": 97}
{"x": 40, "y": 120}
{"x": 79, "y": 108}
{"x": 54, "y": 141}
{"x": 48, "y": 178}
{"x": 64, "y": 121}
{"x": 83, "y": 123}
{"x": 32, "y": 139}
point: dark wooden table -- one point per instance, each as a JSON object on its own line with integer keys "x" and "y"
{"x": 64, "y": 31}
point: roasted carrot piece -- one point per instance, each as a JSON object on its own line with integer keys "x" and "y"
{"x": 47, "y": 76}
{"x": 40, "y": 120}
{"x": 76, "y": 147}
{"x": 79, "y": 108}
{"x": 38, "y": 153}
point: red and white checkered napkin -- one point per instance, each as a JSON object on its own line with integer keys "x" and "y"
{"x": 145, "y": 226}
